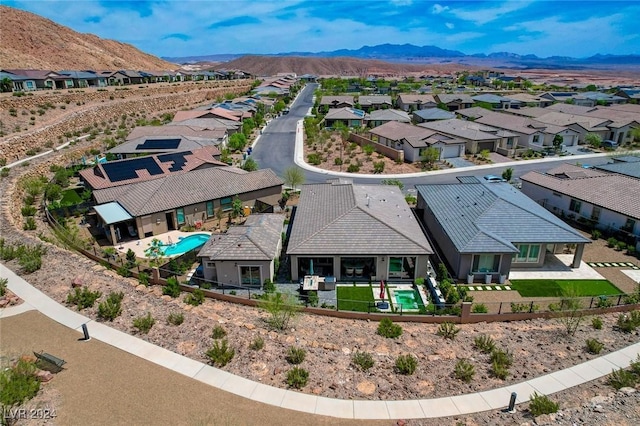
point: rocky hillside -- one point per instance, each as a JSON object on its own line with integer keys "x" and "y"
{"x": 271, "y": 65}
{"x": 30, "y": 41}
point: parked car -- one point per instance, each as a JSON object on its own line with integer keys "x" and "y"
{"x": 494, "y": 178}
{"x": 609, "y": 144}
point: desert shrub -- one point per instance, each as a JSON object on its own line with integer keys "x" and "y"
{"x": 595, "y": 234}
{"x": 502, "y": 357}
{"x": 17, "y": 385}
{"x": 622, "y": 379}
{"x": 295, "y": 355}
{"x": 282, "y": 308}
{"x": 499, "y": 371}
{"x": 175, "y": 318}
{"x": 484, "y": 343}
{"x": 597, "y": 323}
{"x": 143, "y": 278}
{"x": 406, "y": 364}
{"x": 124, "y": 271}
{"x": 29, "y": 224}
{"x": 594, "y": 346}
{"x": 353, "y": 168}
{"x": 314, "y": 159}
{"x": 388, "y": 329}
{"x": 3, "y": 286}
{"x": 464, "y": 370}
{"x": 28, "y": 211}
{"x": 257, "y": 344}
{"x": 218, "y": 332}
{"x": 111, "y": 308}
{"x": 542, "y": 404}
{"x": 82, "y": 297}
{"x": 172, "y": 288}
{"x": 480, "y": 308}
{"x": 362, "y": 360}
{"x": 196, "y": 298}
{"x": 448, "y": 330}
{"x": 629, "y": 322}
{"x": 220, "y": 353}
{"x": 144, "y": 323}
{"x": 611, "y": 242}
{"x": 297, "y": 377}
{"x": 30, "y": 257}
{"x": 268, "y": 286}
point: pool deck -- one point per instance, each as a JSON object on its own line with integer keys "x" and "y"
{"x": 139, "y": 246}
{"x": 392, "y": 287}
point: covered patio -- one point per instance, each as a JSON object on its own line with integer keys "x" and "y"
{"x": 116, "y": 223}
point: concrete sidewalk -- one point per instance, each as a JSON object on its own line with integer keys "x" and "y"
{"x": 495, "y": 399}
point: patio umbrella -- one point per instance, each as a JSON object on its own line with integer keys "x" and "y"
{"x": 382, "y": 289}
{"x": 311, "y": 267}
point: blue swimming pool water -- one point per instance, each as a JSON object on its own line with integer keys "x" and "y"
{"x": 185, "y": 244}
{"x": 409, "y": 299}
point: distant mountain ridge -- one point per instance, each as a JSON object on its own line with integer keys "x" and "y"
{"x": 433, "y": 54}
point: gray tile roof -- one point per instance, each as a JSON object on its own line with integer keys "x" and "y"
{"x": 345, "y": 114}
{"x": 490, "y": 218}
{"x": 396, "y": 131}
{"x": 611, "y": 191}
{"x": 257, "y": 239}
{"x": 462, "y": 129}
{"x": 185, "y": 189}
{"x": 454, "y": 98}
{"x": 389, "y": 115}
{"x": 434, "y": 114}
{"x": 328, "y": 100}
{"x": 342, "y": 218}
{"x": 374, "y": 100}
{"x": 627, "y": 169}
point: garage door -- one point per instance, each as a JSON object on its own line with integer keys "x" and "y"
{"x": 450, "y": 151}
{"x": 568, "y": 140}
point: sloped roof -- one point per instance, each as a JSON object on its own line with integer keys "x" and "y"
{"x": 207, "y": 123}
{"x": 434, "y": 114}
{"x": 446, "y": 98}
{"x": 176, "y": 129}
{"x": 374, "y": 100}
{"x": 178, "y": 190}
{"x": 510, "y": 122}
{"x": 257, "y": 239}
{"x": 611, "y": 191}
{"x": 462, "y": 129}
{"x": 389, "y": 115}
{"x": 186, "y": 143}
{"x": 396, "y": 131}
{"x": 345, "y": 113}
{"x": 344, "y": 218}
{"x": 415, "y": 99}
{"x": 490, "y": 218}
{"x": 628, "y": 169}
{"x": 328, "y": 100}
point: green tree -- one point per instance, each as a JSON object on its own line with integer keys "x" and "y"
{"x": 507, "y": 174}
{"x": 557, "y": 142}
{"x": 250, "y": 165}
{"x": 236, "y": 207}
{"x": 293, "y": 177}
{"x": 282, "y": 308}
{"x": 6, "y": 85}
{"x": 593, "y": 139}
{"x": 430, "y": 155}
{"x": 237, "y": 141}
{"x": 17, "y": 385}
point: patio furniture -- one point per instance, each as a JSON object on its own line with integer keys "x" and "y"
{"x": 349, "y": 272}
{"x": 359, "y": 271}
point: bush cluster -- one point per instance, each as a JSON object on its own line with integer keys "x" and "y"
{"x": 464, "y": 370}
{"x": 542, "y": 404}
{"x": 175, "y": 318}
{"x": 221, "y": 353}
{"x": 297, "y": 377}
{"x": 82, "y": 297}
{"x": 594, "y": 346}
{"x": 362, "y": 360}
{"x": 111, "y": 308}
{"x": 194, "y": 299}
{"x": 629, "y": 322}
{"x": 295, "y": 355}
{"x": 448, "y": 330}
{"x": 406, "y": 364}
{"x": 144, "y": 323}
{"x": 388, "y": 329}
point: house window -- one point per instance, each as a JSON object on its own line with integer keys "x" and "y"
{"x": 250, "y": 275}
{"x": 595, "y": 213}
{"x": 180, "y": 216}
{"x": 210, "y": 209}
{"x": 29, "y": 85}
{"x": 536, "y": 138}
{"x": 527, "y": 253}
{"x": 226, "y": 204}
{"x": 402, "y": 267}
{"x": 209, "y": 264}
{"x": 575, "y": 205}
{"x": 629, "y": 225}
{"x": 486, "y": 263}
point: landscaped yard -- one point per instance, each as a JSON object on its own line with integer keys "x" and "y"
{"x": 70, "y": 198}
{"x": 355, "y": 298}
{"x": 560, "y": 288}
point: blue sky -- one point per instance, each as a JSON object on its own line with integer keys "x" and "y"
{"x": 188, "y": 27}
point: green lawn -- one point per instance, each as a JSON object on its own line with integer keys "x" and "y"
{"x": 70, "y": 198}
{"x": 355, "y": 298}
{"x": 560, "y": 288}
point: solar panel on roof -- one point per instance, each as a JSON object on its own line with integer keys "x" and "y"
{"x": 159, "y": 144}
{"x": 125, "y": 170}
{"x": 178, "y": 159}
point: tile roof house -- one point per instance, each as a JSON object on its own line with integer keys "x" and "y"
{"x": 28, "y": 80}
{"x": 607, "y": 201}
{"x": 156, "y": 206}
{"x": 496, "y": 101}
{"x": 374, "y": 102}
{"x": 431, "y": 114}
{"x": 381, "y": 116}
{"x": 454, "y": 102}
{"x": 413, "y": 140}
{"x": 245, "y": 254}
{"x": 530, "y": 100}
{"x": 477, "y": 136}
{"x": 332, "y": 102}
{"x": 488, "y": 229}
{"x": 350, "y": 117}
{"x": 356, "y": 233}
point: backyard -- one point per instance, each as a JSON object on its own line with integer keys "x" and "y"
{"x": 563, "y": 288}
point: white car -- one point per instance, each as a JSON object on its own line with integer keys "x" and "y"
{"x": 494, "y": 178}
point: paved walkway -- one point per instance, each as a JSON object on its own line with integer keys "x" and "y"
{"x": 495, "y": 399}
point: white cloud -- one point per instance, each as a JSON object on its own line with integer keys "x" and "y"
{"x": 449, "y": 25}
{"x": 438, "y": 9}
{"x": 402, "y": 2}
{"x": 484, "y": 16}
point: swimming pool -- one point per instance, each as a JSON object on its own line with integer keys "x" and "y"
{"x": 185, "y": 244}
{"x": 408, "y": 299}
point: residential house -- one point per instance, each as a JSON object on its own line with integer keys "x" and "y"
{"x": 374, "y": 102}
{"x": 496, "y": 102}
{"x": 29, "y": 80}
{"x": 336, "y": 102}
{"x": 144, "y": 140}
{"x": 598, "y": 98}
{"x": 83, "y": 79}
{"x": 527, "y": 99}
{"x": 381, "y": 116}
{"x": 356, "y": 232}
{"x": 412, "y": 102}
{"x": 582, "y": 124}
{"x": 125, "y": 77}
{"x": 350, "y": 117}
{"x": 626, "y": 165}
{"x": 17, "y": 81}
{"x": 454, "y": 102}
{"x": 245, "y": 255}
{"x": 630, "y": 93}
{"x": 597, "y": 198}
{"x": 431, "y": 114}
{"x": 153, "y": 206}
{"x": 477, "y": 136}
{"x": 414, "y": 140}
{"x": 483, "y": 230}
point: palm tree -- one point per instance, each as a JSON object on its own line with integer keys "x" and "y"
{"x": 6, "y": 85}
